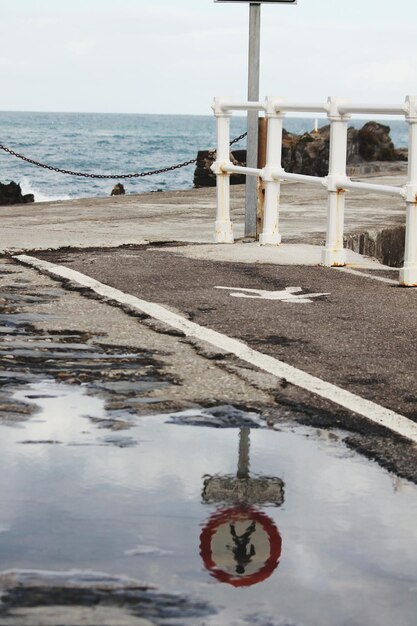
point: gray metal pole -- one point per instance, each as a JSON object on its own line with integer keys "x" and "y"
{"x": 253, "y": 95}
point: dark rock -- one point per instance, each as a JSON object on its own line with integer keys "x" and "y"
{"x": 204, "y": 177}
{"x": 374, "y": 143}
{"x": 118, "y": 190}
{"x": 309, "y": 153}
{"x": 12, "y": 194}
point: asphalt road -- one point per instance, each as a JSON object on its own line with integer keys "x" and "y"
{"x": 360, "y": 335}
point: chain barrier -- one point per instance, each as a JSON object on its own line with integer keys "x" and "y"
{"x": 107, "y": 176}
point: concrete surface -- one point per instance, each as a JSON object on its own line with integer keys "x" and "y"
{"x": 186, "y": 215}
{"x": 284, "y": 254}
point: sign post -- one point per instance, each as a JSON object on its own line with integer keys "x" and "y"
{"x": 254, "y": 60}
{"x": 253, "y": 96}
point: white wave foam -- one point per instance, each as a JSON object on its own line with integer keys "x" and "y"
{"x": 27, "y": 187}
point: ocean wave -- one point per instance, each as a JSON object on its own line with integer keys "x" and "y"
{"x": 27, "y": 187}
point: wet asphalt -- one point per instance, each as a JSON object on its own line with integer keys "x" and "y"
{"x": 359, "y": 336}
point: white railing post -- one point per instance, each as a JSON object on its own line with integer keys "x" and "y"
{"x": 223, "y": 229}
{"x": 334, "y": 254}
{"x": 270, "y": 234}
{"x": 408, "y": 274}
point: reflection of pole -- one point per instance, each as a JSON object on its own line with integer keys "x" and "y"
{"x": 244, "y": 445}
{"x": 253, "y": 95}
{"x": 242, "y": 489}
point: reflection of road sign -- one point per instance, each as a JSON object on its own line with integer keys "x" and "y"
{"x": 240, "y": 546}
{"x": 289, "y": 294}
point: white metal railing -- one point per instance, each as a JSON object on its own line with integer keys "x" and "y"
{"x": 338, "y": 111}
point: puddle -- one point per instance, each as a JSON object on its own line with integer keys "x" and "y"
{"x": 183, "y": 508}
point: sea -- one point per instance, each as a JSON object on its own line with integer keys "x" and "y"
{"x": 115, "y": 144}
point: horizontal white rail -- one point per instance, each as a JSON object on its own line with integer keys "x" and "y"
{"x": 296, "y": 107}
{"x": 239, "y": 169}
{"x": 336, "y": 182}
{"x": 384, "y": 189}
{"x": 385, "y": 109}
{"x": 300, "y": 178}
{"x": 282, "y": 106}
{"x": 343, "y": 108}
{"x": 242, "y": 106}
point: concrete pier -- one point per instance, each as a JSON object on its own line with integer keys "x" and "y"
{"x": 186, "y": 215}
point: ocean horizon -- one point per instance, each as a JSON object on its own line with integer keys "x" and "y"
{"x": 120, "y": 143}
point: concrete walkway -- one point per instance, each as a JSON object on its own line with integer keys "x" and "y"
{"x": 184, "y": 216}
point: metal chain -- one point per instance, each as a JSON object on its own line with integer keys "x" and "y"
{"x": 107, "y": 176}
{"x": 236, "y": 139}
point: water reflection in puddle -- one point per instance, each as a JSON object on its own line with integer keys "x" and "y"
{"x": 336, "y": 544}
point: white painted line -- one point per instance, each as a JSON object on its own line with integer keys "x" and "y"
{"x": 372, "y": 411}
{"x": 381, "y": 279}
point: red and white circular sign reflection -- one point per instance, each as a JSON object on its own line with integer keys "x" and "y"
{"x": 240, "y": 546}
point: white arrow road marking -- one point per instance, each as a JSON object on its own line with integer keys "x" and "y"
{"x": 285, "y": 295}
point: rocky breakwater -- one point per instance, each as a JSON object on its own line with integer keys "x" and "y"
{"x": 11, "y": 193}
{"x": 367, "y": 148}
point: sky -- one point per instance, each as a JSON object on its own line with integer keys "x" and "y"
{"x": 174, "y": 56}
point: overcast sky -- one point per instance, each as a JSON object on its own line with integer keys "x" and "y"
{"x": 173, "y": 56}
